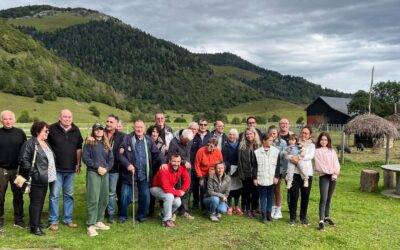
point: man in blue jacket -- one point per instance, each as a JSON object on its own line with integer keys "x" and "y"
{"x": 136, "y": 155}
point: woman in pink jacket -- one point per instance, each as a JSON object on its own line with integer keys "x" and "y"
{"x": 327, "y": 164}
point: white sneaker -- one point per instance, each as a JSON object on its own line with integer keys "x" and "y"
{"x": 305, "y": 183}
{"x": 91, "y": 231}
{"x": 101, "y": 226}
{"x": 278, "y": 214}
{"x": 173, "y": 217}
{"x": 273, "y": 211}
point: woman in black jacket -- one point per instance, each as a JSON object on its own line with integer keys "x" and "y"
{"x": 38, "y": 164}
{"x": 247, "y": 170}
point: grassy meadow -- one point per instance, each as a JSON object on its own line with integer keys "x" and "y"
{"x": 364, "y": 221}
{"x": 51, "y": 23}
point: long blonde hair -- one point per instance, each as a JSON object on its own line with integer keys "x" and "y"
{"x": 244, "y": 144}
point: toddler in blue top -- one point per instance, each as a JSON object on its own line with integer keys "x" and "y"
{"x": 294, "y": 149}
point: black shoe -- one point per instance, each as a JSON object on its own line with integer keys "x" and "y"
{"x": 292, "y": 222}
{"x": 195, "y": 206}
{"x": 21, "y": 225}
{"x": 269, "y": 217}
{"x": 329, "y": 222}
{"x": 304, "y": 222}
{"x": 321, "y": 226}
{"x": 264, "y": 218}
{"x": 37, "y": 231}
{"x": 43, "y": 226}
{"x": 111, "y": 219}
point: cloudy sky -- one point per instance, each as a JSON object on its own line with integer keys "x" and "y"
{"x": 331, "y": 43}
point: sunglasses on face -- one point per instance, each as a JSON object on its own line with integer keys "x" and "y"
{"x": 203, "y": 124}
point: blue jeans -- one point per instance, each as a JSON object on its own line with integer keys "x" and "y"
{"x": 112, "y": 193}
{"x": 126, "y": 199}
{"x": 266, "y": 197}
{"x": 215, "y": 205}
{"x": 66, "y": 182}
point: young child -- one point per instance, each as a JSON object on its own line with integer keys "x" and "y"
{"x": 327, "y": 164}
{"x": 294, "y": 149}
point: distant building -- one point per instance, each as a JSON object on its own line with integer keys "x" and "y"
{"x": 324, "y": 110}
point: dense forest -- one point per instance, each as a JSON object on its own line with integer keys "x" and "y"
{"x": 28, "y": 69}
{"x": 273, "y": 84}
{"x": 144, "y": 67}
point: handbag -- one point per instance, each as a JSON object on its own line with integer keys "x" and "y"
{"x": 20, "y": 181}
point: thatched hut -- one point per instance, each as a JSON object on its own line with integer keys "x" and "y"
{"x": 395, "y": 120}
{"x": 372, "y": 126}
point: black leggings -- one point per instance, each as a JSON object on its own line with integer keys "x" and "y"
{"x": 249, "y": 195}
{"x": 297, "y": 187}
{"x": 37, "y": 197}
{"x": 235, "y": 194}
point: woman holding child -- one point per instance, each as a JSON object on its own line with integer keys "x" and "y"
{"x": 305, "y": 160}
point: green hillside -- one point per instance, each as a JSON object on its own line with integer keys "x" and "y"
{"x": 52, "y": 20}
{"x": 28, "y": 69}
{"x": 267, "y": 108}
{"x": 272, "y": 83}
{"x": 49, "y": 110}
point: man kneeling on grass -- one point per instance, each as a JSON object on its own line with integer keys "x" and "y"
{"x": 163, "y": 188}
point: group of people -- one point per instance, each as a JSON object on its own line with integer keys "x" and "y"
{"x": 212, "y": 169}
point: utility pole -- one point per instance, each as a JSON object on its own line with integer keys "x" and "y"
{"x": 370, "y": 90}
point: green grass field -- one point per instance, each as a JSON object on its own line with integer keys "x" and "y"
{"x": 51, "y": 23}
{"x": 364, "y": 221}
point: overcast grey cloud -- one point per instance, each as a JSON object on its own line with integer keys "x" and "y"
{"x": 331, "y": 43}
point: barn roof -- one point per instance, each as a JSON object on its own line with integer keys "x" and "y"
{"x": 336, "y": 103}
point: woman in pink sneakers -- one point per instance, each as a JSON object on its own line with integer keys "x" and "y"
{"x": 230, "y": 154}
{"x": 99, "y": 159}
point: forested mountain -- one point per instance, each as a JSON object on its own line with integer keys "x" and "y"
{"x": 154, "y": 70}
{"x": 273, "y": 84}
{"x": 28, "y": 69}
{"x": 144, "y": 67}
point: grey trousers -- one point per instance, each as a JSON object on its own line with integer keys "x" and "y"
{"x": 170, "y": 203}
{"x": 326, "y": 189}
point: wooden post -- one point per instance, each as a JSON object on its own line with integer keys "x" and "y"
{"x": 342, "y": 150}
{"x": 387, "y": 149}
{"x": 369, "y": 180}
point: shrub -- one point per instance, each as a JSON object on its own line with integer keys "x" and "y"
{"x": 24, "y": 117}
{"x": 236, "y": 120}
{"x": 180, "y": 120}
{"x": 94, "y": 111}
{"x": 39, "y": 99}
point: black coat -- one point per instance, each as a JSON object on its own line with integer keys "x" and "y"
{"x": 39, "y": 172}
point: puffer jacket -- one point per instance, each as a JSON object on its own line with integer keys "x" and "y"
{"x": 218, "y": 187}
{"x": 267, "y": 165}
{"x": 39, "y": 172}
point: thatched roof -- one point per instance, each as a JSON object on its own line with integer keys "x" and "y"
{"x": 371, "y": 125}
{"x": 395, "y": 119}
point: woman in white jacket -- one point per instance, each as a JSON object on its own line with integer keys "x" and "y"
{"x": 267, "y": 158}
{"x": 305, "y": 160}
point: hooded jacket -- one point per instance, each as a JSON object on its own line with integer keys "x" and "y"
{"x": 176, "y": 146}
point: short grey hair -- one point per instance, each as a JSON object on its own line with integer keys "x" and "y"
{"x": 187, "y": 133}
{"x": 5, "y": 112}
{"x": 193, "y": 124}
{"x": 234, "y": 131}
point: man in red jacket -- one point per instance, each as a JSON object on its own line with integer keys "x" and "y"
{"x": 163, "y": 188}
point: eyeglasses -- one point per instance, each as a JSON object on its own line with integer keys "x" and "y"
{"x": 46, "y": 131}
{"x": 160, "y": 118}
{"x": 203, "y": 124}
